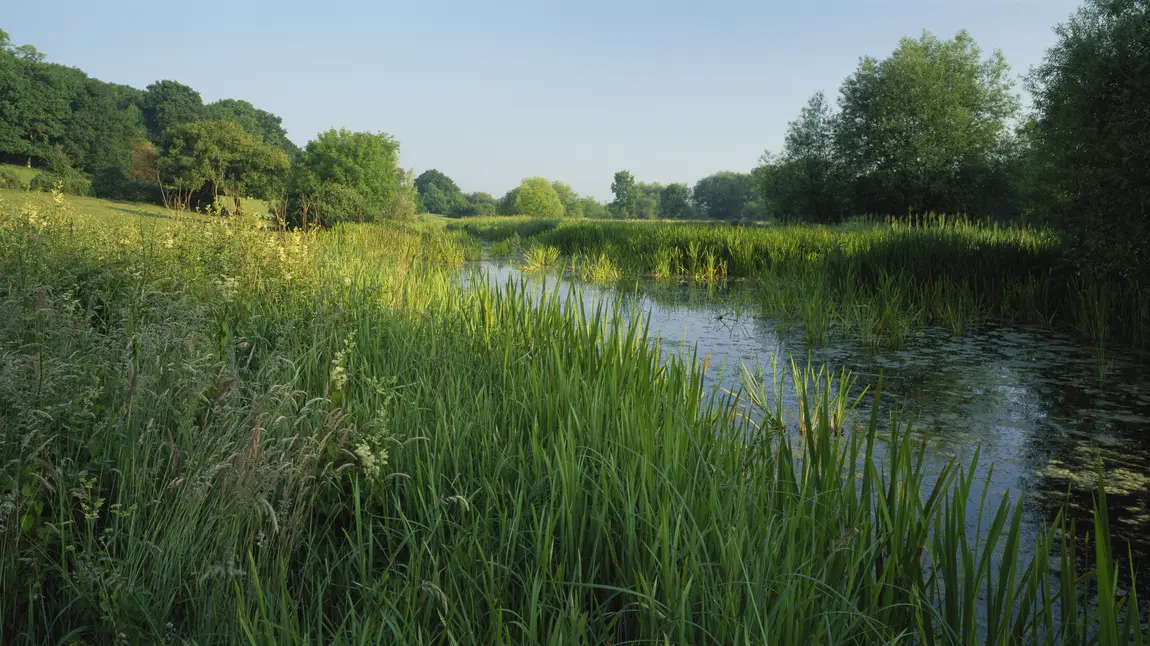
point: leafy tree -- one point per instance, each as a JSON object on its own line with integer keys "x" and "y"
{"x": 168, "y": 104}
{"x": 481, "y": 204}
{"x": 537, "y": 198}
{"x": 806, "y": 181}
{"x": 626, "y": 194}
{"x": 221, "y": 157}
{"x": 35, "y": 102}
{"x": 1092, "y": 135}
{"x": 507, "y": 204}
{"x": 566, "y": 194}
{"x": 439, "y": 194}
{"x": 266, "y": 126}
{"x": 915, "y": 127}
{"x": 647, "y": 200}
{"x": 725, "y": 195}
{"x": 675, "y": 202}
{"x": 589, "y": 207}
{"x": 363, "y": 162}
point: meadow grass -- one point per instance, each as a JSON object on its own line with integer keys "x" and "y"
{"x": 23, "y": 173}
{"x": 932, "y": 270}
{"x": 215, "y": 433}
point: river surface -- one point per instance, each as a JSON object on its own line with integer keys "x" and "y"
{"x": 1040, "y": 403}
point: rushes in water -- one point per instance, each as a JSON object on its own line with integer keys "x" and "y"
{"x": 598, "y": 269}
{"x": 540, "y": 257}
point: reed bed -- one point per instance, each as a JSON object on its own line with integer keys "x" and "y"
{"x": 941, "y": 271}
{"x": 210, "y": 433}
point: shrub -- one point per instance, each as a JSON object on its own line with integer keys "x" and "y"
{"x": 9, "y": 180}
{"x": 72, "y": 183}
{"x": 116, "y": 184}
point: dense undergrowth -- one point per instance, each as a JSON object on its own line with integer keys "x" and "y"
{"x": 879, "y": 280}
{"x": 213, "y": 433}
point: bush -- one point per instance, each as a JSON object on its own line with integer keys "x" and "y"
{"x": 116, "y": 184}
{"x": 9, "y": 180}
{"x": 73, "y": 183}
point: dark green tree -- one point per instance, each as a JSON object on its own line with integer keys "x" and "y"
{"x": 223, "y": 159}
{"x": 675, "y": 202}
{"x": 626, "y": 194}
{"x": 168, "y": 104}
{"x": 915, "y": 129}
{"x": 439, "y": 194}
{"x": 264, "y": 125}
{"x": 1092, "y": 136}
{"x": 724, "y": 196}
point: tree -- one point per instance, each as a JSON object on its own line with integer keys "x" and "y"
{"x": 1092, "y": 136}
{"x": 806, "y": 181}
{"x": 914, "y": 128}
{"x": 168, "y": 104}
{"x": 626, "y": 193}
{"x": 589, "y": 207}
{"x": 675, "y": 202}
{"x": 724, "y": 196}
{"x": 439, "y": 194}
{"x": 507, "y": 204}
{"x": 481, "y": 204}
{"x": 221, "y": 157}
{"x": 537, "y": 198}
{"x": 647, "y": 200}
{"x": 566, "y": 194}
{"x": 364, "y": 163}
{"x": 266, "y": 126}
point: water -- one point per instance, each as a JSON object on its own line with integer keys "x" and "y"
{"x": 1039, "y": 402}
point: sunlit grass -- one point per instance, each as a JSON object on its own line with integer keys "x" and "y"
{"x": 215, "y": 433}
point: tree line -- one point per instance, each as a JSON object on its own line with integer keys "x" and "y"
{"x": 164, "y": 144}
{"x": 936, "y": 126}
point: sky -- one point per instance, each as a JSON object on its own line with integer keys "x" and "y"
{"x": 492, "y": 92}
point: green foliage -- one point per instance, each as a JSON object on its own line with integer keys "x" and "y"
{"x": 626, "y": 194}
{"x": 215, "y": 433}
{"x": 807, "y": 180}
{"x": 1092, "y": 136}
{"x": 919, "y": 130}
{"x": 725, "y": 196}
{"x": 338, "y": 164}
{"x": 479, "y": 204}
{"x": 537, "y": 198}
{"x": 169, "y": 104}
{"x": 675, "y": 202}
{"x": 507, "y": 202}
{"x": 265, "y": 126}
{"x": 10, "y": 180}
{"x": 70, "y": 182}
{"x": 439, "y": 194}
{"x": 221, "y": 157}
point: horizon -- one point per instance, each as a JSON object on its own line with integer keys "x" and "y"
{"x": 672, "y": 94}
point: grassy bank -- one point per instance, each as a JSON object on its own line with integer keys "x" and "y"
{"x": 211, "y": 433}
{"x": 881, "y": 281}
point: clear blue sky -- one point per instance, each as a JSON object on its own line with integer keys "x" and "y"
{"x": 491, "y": 92}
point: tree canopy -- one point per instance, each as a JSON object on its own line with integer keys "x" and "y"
{"x": 439, "y": 194}
{"x": 221, "y": 157}
{"x": 1092, "y": 136}
{"x": 725, "y": 195}
{"x": 537, "y": 197}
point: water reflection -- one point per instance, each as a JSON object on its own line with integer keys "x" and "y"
{"x": 1036, "y": 400}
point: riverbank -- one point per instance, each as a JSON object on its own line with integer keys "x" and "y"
{"x": 215, "y": 433}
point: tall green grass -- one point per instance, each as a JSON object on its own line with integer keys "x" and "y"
{"x": 211, "y": 433}
{"x": 940, "y": 271}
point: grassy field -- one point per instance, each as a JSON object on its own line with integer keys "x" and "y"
{"x": 25, "y": 174}
{"x": 215, "y": 433}
{"x": 881, "y": 281}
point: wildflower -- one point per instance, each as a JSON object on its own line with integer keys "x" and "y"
{"x": 347, "y": 281}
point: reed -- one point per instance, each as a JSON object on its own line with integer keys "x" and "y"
{"x": 211, "y": 433}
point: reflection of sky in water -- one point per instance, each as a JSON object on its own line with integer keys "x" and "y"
{"x": 1034, "y": 399}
